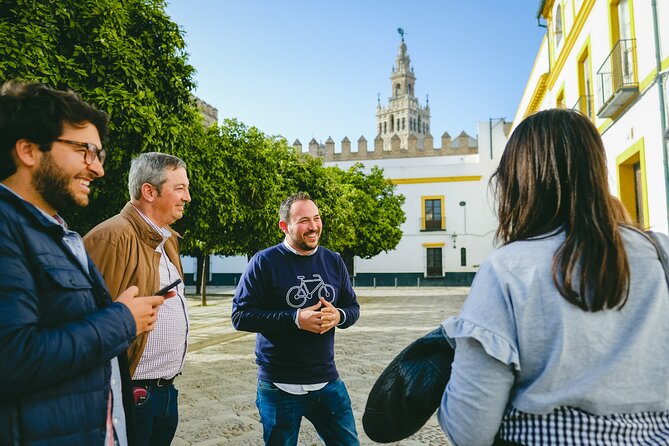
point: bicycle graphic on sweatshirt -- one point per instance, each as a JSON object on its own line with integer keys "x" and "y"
{"x": 298, "y": 295}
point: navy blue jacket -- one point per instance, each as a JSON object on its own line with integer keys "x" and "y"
{"x": 276, "y": 283}
{"x": 58, "y": 332}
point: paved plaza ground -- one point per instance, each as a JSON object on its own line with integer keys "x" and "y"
{"x": 218, "y": 385}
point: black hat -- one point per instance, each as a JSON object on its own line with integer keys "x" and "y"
{"x": 409, "y": 390}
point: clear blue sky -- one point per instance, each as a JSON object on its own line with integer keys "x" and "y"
{"x": 312, "y": 69}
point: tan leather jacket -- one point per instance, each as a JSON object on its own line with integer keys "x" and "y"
{"x": 124, "y": 250}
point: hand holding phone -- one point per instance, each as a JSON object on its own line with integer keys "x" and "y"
{"x": 144, "y": 309}
{"x": 163, "y": 291}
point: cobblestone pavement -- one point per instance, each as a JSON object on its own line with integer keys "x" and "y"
{"x": 218, "y": 385}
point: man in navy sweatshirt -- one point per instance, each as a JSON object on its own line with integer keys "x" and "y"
{"x": 293, "y": 295}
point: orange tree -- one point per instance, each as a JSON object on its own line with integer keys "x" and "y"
{"x": 124, "y": 56}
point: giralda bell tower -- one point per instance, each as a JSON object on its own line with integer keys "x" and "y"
{"x": 404, "y": 117}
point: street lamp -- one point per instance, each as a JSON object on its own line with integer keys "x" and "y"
{"x": 463, "y": 204}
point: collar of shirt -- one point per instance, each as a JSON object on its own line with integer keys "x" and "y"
{"x": 164, "y": 232}
{"x": 291, "y": 249}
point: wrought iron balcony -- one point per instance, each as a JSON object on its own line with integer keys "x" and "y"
{"x": 431, "y": 224}
{"x": 617, "y": 81}
{"x": 584, "y": 105}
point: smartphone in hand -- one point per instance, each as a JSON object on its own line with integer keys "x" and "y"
{"x": 163, "y": 291}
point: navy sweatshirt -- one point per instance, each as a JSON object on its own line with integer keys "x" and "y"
{"x": 276, "y": 283}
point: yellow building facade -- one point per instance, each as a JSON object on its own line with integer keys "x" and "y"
{"x": 609, "y": 59}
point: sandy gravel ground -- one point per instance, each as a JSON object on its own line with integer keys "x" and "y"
{"x": 218, "y": 385}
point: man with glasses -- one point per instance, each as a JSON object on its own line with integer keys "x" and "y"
{"x": 138, "y": 247}
{"x": 61, "y": 337}
{"x": 92, "y": 151}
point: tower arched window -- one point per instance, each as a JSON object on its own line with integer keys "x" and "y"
{"x": 392, "y": 123}
{"x": 403, "y": 123}
{"x": 419, "y": 125}
{"x": 397, "y": 89}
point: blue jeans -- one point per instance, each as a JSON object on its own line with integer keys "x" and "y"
{"x": 328, "y": 409}
{"x": 154, "y": 421}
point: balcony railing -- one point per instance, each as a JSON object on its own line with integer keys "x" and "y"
{"x": 432, "y": 225}
{"x": 584, "y": 105}
{"x": 617, "y": 81}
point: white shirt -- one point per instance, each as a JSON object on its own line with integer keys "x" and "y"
{"x": 165, "y": 351}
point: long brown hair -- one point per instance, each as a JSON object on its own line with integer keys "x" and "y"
{"x": 553, "y": 176}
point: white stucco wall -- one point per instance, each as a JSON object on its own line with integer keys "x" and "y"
{"x": 410, "y": 254}
{"x": 639, "y": 120}
{"x": 446, "y": 174}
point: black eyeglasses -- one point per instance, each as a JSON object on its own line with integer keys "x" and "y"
{"x": 91, "y": 152}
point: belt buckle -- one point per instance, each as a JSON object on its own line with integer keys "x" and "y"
{"x": 162, "y": 382}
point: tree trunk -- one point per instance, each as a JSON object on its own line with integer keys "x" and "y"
{"x": 348, "y": 261}
{"x": 203, "y": 280}
{"x": 198, "y": 272}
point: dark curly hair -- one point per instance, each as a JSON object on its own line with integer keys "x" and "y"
{"x": 33, "y": 111}
{"x": 284, "y": 209}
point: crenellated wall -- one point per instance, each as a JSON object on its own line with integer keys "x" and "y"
{"x": 463, "y": 144}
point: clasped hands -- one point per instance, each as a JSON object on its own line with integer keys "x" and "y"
{"x": 318, "y": 318}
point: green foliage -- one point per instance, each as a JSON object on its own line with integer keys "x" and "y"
{"x": 258, "y": 161}
{"x": 378, "y": 213}
{"x": 243, "y": 177}
{"x": 128, "y": 58}
{"x": 124, "y": 56}
{"x": 214, "y": 209}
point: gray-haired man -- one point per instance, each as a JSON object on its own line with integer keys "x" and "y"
{"x": 137, "y": 247}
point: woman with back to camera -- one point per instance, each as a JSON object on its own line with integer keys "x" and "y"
{"x": 564, "y": 338}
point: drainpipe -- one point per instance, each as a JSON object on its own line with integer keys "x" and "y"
{"x": 490, "y": 120}
{"x": 490, "y": 135}
{"x": 663, "y": 121}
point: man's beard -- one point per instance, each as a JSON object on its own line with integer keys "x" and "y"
{"x": 53, "y": 185}
{"x": 304, "y": 245}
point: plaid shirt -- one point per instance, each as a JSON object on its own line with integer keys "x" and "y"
{"x": 165, "y": 350}
{"x": 571, "y": 426}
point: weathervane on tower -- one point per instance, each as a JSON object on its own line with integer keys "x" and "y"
{"x": 401, "y": 33}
